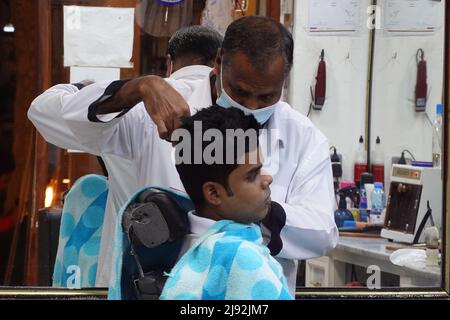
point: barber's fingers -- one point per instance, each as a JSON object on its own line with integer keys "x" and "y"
{"x": 178, "y": 112}
{"x": 177, "y": 121}
{"x": 166, "y": 109}
{"x": 162, "y": 128}
{"x": 172, "y": 118}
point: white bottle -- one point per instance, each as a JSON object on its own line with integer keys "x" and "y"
{"x": 378, "y": 202}
{"x": 437, "y": 137}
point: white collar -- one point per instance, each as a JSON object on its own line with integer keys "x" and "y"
{"x": 193, "y": 72}
{"x": 199, "y": 225}
{"x": 201, "y": 96}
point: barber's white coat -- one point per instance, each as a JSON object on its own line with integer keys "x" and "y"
{"x": 135, "y": 156}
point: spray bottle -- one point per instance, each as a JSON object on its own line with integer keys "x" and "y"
{"x": 342, "y": 214}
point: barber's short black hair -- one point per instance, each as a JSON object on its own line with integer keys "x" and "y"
{"x": 195, "y": 40}
{"x": 260, "y": 39}
{"x": 194, "y": 176}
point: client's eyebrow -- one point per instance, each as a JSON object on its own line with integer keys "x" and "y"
{"x": 254, "y": 170}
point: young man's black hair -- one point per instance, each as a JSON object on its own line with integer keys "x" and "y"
{"x": 195, "y": 42}
{"x": 194, "y": 175}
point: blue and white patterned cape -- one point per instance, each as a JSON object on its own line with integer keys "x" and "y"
{"x": 80, "y": 233}
{"x": 229, "y": 262}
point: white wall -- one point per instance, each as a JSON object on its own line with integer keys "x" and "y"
{"x": 342, "y": 119}
{"x": 393, "y": 105}
{"x": 343, "y": 115}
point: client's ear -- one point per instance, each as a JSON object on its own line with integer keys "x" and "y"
{"x": 212, "y": 193}
{"x": 218, "y": 61}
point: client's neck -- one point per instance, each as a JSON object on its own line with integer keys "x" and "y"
{"x": 209, "y": 212}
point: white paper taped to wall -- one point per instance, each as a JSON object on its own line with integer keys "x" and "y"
{"x": 411, "y": 16}
{"x": 98, "y": 37}
{"x": 329, "y": 17}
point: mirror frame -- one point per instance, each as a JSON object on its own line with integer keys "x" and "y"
{"x": 442, "y": 292}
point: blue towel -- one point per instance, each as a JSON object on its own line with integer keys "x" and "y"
{"x": 229, "y": 262}
{"x": 120, "y": 275}
{"x": 80, "y": 233}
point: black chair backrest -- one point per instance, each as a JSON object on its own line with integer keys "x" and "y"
{"x": 156, "y": 224}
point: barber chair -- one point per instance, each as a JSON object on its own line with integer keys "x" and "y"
{"x": 155, "y": 224}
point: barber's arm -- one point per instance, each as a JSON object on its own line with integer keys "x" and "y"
{"x": 163, "y": 103}
{"x": 45, "y": 114}
{"x": 105, "y": 117}
{"x": 303, "y": 227}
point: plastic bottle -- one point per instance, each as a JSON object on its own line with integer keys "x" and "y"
{"x": 378, "y": 202}
{"x": 378, "y": 162}
{"x": 369, "y": 187}
{"x": 363, "y": 216}
{"x": 437, "y": 137}
{"x": 364, "y": 211}
{"x": 360, "y": 162}
{"x": 342, "y": 214}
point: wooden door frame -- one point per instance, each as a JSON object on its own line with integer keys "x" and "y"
{"x": 44, "y": 65}
{"x": 273, "y": 9}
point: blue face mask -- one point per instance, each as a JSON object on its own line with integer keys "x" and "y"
{"x": 225, "y": 101}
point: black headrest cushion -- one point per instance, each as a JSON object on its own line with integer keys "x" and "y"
{"x": 155, "y": 218}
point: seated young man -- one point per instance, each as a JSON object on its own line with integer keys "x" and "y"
{"x": 230, "y": 260}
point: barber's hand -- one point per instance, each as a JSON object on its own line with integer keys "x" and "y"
{"x": 164, "y": 104}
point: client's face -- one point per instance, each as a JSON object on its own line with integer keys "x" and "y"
{"x": 250, "y": 199}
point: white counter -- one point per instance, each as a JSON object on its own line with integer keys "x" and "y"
{"x": 366, "y": 252}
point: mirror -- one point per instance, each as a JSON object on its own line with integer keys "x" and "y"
{"x": 371, "y": 79}
{"x": 368, "y": 91}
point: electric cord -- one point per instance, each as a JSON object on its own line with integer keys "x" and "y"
{"x": 402, "y": 159}
{"x": 311, "y": 105}
{"x": 428, "y": 118}
{"x": 409, "y": 152}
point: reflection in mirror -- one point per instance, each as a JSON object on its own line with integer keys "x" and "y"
{"x": 385, "y": 210}
{"x": 389, "y": 214}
